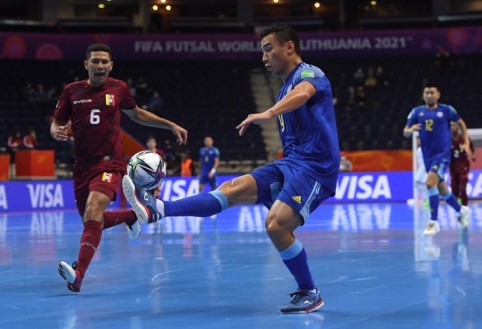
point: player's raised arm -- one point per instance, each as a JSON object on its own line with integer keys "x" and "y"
{"x": 146, "y": 118}
{"x": 295, "y": 99}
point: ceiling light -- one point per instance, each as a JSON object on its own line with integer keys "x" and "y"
{"x": 275, "y": 1}
{"x": 155, "y": 7}
{"x": 168, "y": 7}
{"x": 373, "y": 3}
{"x": 163, "y": 1}
{"x": 101, "y": 6}
{"x": 317, "y": 5}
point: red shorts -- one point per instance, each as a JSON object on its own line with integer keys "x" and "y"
{"x": 107, "y": 183}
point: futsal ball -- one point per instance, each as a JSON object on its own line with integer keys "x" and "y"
{"x": 146, "y": 169}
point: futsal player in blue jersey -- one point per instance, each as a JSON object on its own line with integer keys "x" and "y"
{"x": 292, "y": 187}
{"x": 432, "y": 121}
{"x": 208, "y": 164}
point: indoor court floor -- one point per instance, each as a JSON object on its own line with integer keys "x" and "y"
{"x": 370, "y": 262}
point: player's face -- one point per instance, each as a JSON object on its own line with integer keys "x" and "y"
{"x": 454, "y": 127}
{"x": 275, "y": 57}
{"x": 151, "y": 144}
{"x": 431, "y": 96}
{"x": 208, "y": 142}
{"x": 99, "y": 66}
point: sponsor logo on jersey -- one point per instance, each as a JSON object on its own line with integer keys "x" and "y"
{"x": 107, "y": 177}
{"x": 82, "y": 101}
{"x": 109, "y": 100}
{"x": 421, "y": 114}
{"x": 440, "y": 114}
{"x": 297, "y": 198}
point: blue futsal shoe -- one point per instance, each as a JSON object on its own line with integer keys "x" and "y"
{"x": 143, "y": 203}
{"x": 303, "y": 302}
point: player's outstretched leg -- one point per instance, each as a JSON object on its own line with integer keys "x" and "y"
{"x": 129, "y": 217}
{"x": 149, "y": 209}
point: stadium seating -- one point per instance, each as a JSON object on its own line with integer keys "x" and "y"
{"x": 212, "y": 97}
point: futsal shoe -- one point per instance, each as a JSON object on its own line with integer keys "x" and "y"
{"x": 142, "y": 202}
{"x": 303, "y": 302}
{"x": 71, "y": 275}
{"x": 463, "y": 217}
{"x": 134, "y": 230}
{"x": 432, "y": 228}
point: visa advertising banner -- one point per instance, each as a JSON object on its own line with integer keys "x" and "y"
{"x": 362, "y": 187}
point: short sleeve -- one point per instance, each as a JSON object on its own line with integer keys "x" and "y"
{"x": 412, "y": 118}
{"x": 312, "y": 74}
{"x": 453, "y": 115}
{"x": 128, "y": 102}
{"x": 63, "y": 109}
{"x": 216, "y": 153}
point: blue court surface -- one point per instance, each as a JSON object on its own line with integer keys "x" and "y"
{"x": 370, "y": 262}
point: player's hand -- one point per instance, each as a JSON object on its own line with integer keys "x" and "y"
{"x": 61, "y": 134}
{"x": 180, "y": 133}
{"x": 466, "y": 149}
{"x": 210, "y": 175}
{"x": 416, "y": 127}
{"x": 257, "y": 119}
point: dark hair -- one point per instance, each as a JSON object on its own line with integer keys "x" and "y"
{"x": 151, "y": 137}
{"x": 431, "y": 85}
{"x": 98, "y": 47}
{"x": 283, "y": 33}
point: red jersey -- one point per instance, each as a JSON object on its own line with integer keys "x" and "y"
{"x": 459, "y": 159}
{"x": 95, "y": 114}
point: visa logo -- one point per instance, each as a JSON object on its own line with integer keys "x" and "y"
{"x": 45, "y": 195}
{"x": 173, "y": 190}
{"x": 363, "y": 187}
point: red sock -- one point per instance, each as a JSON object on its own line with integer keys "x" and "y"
{"x": 88, "y": 244}
{"x": 113, "y": 218}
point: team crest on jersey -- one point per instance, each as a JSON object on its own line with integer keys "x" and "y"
{"x": 109, "y": 100}
{"x": 440, "y": 114}
{"x": 421, "y": 114}
{"x": 107, "y": 177}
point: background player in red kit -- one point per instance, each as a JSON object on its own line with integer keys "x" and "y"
{"x": 460, "y": 165}
{"x": 94, "y": 106}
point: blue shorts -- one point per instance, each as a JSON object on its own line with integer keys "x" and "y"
{"x": 439, "y": 167}
{"x": 292, "y": 186}
{"x": 213, "y": 182}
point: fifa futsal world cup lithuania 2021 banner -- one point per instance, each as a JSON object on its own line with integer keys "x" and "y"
{"x": 240, "y": 46}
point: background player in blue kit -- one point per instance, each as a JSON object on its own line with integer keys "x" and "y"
{"x": 432, "y": 120}
{"x": 292, "y": 187}
{"x": 208, "y": 164}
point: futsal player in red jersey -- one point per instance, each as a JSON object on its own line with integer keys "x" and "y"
{"x": 94, "y": 107}
{"x": 460, "y": 165}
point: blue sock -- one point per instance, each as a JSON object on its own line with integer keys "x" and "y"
{"x": 452, "y": 201}
{"x": 434, "y": 200}
{"x": 295, "y": 260}
{"x": 199, "y": 205}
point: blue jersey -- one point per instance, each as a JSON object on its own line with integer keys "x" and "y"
{"x": 207, "y": 157}
{"x": 435, "y": 133}
{"x": 309, "y": 135}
